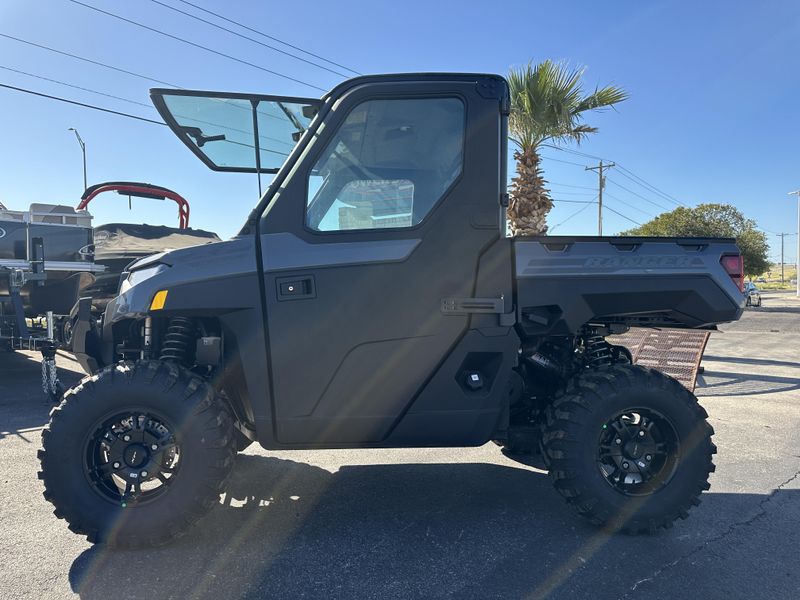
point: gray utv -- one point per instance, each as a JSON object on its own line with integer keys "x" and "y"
{"x": 373, "y": 300}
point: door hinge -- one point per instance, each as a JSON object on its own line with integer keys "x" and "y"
{"x": 473, "y": 305}
{"x": 491, "y": 306}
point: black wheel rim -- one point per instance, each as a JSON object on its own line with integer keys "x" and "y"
{"x": 638, "y": 451}
{"x": 132, "y": 457}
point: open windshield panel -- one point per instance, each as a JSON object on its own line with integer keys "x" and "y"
{"x": 244, "y": 133}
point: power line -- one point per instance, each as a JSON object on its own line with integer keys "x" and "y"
{"x": 619, "y": 185}
{"x": 573, "y": 201}
{"x": 76, "y": 103}
{"x": 76, "y": 87}
{"x": 636, "y": 178}
{"x": 566, "y": 162}
{"x": 576, "y": 152}
{"x": 621, "y": 215}
{"x": 580, "y": 187}
{"x": 89, "y": 60}
{"x": 562, "y": 192}
{"x": 241, "y": 35}
{"x": 633, "y": 206}
{"x": 196, "y": 45}
{"x": 633, "y": 177}
{"x": 226, "y": 127}
{"x": 261, "y": 33}
{"x": 575, "y": 214}
{"x": 675, "y": 202}
{"x": 106, "y": 66}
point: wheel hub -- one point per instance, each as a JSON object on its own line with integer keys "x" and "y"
{"x": 132, "y": 457}
{"x": 136, "y": 455}
{"x": 638, "y": 447}
{"x": 637, "y": 451}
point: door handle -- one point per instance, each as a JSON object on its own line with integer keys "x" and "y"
{"x": 295, "y": 288}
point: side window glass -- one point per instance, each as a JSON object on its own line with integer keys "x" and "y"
{"x": 388, "y": 165}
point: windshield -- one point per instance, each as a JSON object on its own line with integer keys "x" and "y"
{"x": 221, "y": 129}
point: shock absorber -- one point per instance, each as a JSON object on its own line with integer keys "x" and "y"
{"x": 178, "y": 340}
{"x": 597, "y": 350}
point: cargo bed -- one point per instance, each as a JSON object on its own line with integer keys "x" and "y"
{"x": 563, "y": 282}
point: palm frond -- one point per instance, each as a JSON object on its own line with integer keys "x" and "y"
{"x": 548, "y": 103}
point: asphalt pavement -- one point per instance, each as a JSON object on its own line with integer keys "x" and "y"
{"x": 430, "y": 523}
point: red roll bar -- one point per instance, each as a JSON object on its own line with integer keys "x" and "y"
{"x": 140, "y": 190}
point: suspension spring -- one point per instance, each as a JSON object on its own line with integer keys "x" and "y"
{"x": 598, "y": 352}
{"x": 178, "y": 340}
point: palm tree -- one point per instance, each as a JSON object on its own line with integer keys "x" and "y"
{"x": 547, "y": 104}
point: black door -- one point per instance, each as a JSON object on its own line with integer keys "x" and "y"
{"x": 384, "y": 215}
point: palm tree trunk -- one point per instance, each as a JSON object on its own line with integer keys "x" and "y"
{"x": 529, "y": 200}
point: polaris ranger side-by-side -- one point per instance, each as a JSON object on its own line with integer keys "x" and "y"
{"x": 373, "y": 300}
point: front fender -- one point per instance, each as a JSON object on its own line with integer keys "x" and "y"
{"x": 87, "y": 345}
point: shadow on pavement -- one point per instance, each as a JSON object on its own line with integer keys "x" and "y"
{"x": 286, "y": 529}
{"x": 765, "y": 308}
{"x": 753, "y": 361}
{"x": 23, "y": 405}
{"x": 723, "y": 383}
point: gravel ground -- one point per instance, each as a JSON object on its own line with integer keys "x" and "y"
{"x": 464, "y": 523}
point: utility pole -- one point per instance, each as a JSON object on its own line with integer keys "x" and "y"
{"x": 601, "y": 183}
{"x": 783, "y": 235}
{"x": 83, "y": 149}
{"x": 797, "y": 259}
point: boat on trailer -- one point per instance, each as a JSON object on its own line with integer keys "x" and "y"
{"x": 46, "y": 260}
{"x": 119, "y": 244}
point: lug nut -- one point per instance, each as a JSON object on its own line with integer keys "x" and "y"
{"x": 617, "y": 441}
{"x": 126, "y": 438}
{"x": 641, "y": 434}
{"x": 625, "y": 465}
{"x": 116, "y": 465}
{"x": 154, "y": 447}
{"x": 144, "y": 473}
{"x": 648, "y": 457}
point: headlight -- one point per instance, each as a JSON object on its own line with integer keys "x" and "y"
{"x": 137, "y": 277}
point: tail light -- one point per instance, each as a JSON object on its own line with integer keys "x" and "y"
{"x": 734, "y": 266}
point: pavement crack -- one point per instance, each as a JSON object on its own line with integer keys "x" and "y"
{"x": 762, "y": 511}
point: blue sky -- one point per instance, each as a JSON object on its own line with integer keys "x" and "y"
{"x": 712, "y": 115}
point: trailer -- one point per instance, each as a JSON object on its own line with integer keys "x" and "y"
{"x": 46, "y": 259}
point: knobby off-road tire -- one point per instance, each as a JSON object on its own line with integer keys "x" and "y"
{"x": 588, "y": 424}
{"x": 180, "y": 445}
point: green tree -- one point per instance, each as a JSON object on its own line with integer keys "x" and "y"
{"x": 547, "y": 104}
{"x": 713, "y": 220}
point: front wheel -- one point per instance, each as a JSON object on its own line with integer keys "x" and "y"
{"x": 134, "y": 455}
{"x": 629, "y": 448}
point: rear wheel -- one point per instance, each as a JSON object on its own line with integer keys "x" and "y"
{"x": 135, "y": 455}
{"x": 629, "y": 448}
